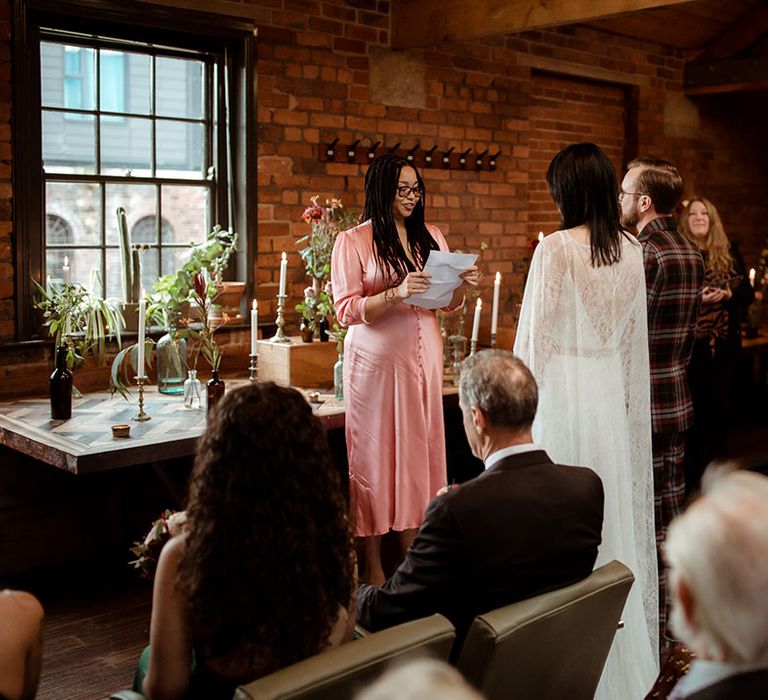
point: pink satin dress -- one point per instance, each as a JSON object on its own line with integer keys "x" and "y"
{"x": 392, "y": 393}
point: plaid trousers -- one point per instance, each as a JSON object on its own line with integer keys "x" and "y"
{"x": 668, "y": 500}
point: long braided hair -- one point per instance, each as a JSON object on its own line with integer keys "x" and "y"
{"x": 380, "y": 192}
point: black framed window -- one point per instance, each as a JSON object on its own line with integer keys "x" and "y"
{"x": 148, "y": 108}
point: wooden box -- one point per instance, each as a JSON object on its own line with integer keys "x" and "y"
{"x": 296, "y": 363}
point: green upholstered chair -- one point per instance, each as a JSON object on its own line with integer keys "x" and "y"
{"x": 551, "y": 646}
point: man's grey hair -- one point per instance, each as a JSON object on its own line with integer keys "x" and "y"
{"x": 501, "y": 386}
{"x": 419, "y": 679}
{"x": 719, "y": 547}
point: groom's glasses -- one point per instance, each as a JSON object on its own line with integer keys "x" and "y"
{"x": 623, "y": 194}
{"x": 404, "y": 191}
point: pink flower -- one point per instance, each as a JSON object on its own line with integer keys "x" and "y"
{"x": 309, "y": 293}
{"x": 313, "y": 213}
{"x": 328, "y": 289}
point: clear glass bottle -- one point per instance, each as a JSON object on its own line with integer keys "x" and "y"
{"x": 193, "y": 390}
{"x": 215, "y": 389}
{"x": 338, "y": 378}
{"x": 171, "y": 353}
{"x": 60, "y": 385}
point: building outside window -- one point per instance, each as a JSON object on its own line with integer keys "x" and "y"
{"x": 128, "y": 127}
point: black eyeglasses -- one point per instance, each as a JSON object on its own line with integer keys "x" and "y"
{"x": 622, "y": 194}
{"x": 404, "y": 191}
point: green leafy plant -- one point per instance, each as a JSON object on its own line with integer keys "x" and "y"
{"x": 80, "y": 320}
{"x": 172, "y": 293}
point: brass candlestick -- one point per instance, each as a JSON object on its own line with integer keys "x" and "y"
{"x": 253, "y": 366}
{"x": 493, "y": 340}
{"x": 280, "y": 336}
{"x": 141, "y": 381}
{"x": 473, "y": 347}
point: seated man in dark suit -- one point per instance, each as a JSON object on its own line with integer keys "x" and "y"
{"x": 523, "y": 527}
{"x": 717, "y": 553}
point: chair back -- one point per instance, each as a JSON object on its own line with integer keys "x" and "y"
{"x": 551, "y": 646}
{"x": 337, "y": 674}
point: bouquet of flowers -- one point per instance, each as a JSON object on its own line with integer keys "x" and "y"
{"x": 147, "y": 551}
{"x": 326, "y": 222}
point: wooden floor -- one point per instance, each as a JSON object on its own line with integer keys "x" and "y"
{"x": 97, "y": 612}
{"x": 96, "y": 624}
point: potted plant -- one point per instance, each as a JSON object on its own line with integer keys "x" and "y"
{"x": 131, "y": 273}
{"x": 79, "y": 321}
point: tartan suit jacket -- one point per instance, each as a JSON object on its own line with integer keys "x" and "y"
{"x": 674, "y": 275}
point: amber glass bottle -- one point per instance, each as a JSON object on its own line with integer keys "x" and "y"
{"x": 215, "y": 389}
{"x": 61, "y": 387}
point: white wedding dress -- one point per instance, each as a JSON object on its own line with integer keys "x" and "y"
{"x": 583, "y": 333}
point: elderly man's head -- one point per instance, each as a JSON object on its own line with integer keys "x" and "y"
{"x": 718, "y": 555}
{"x": 497, "y": 395}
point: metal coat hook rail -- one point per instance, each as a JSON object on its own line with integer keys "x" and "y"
{"x": 434, "y": 157}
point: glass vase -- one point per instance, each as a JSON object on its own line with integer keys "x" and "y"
{"x": 171, "y": 352}
{"x": 338, "y": 378}
{"x": 61, "y": 387}
{"x": 215, "y": 389}
{"x": 193, "y": 390}
{"x": 323, "y": 325}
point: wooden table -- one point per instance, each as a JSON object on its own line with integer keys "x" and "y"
{"x": 84, "y": 443}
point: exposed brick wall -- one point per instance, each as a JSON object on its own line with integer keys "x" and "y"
{"x": 314, "y": 67}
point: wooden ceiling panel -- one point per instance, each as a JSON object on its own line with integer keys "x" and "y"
{"x": 691, "y": 26}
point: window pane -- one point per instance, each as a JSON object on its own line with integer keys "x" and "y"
{"x": 186, "y": 210}
{"x": 76, "y": 207}
{"x": 174, "y": 258}
{"x": 180, "y": 148}
{"x": 126, "y": 146}
{"x": 139, "y": 84}
{"x": 69, "y": 143}
{"x": 149, "y": 271}
{"x": 67, "y": 76}
{"x": 179, "y": 85}
{"x": 137, "y": 200}
{"x": 80, "y": 263}
{"x": 112, "y": 81}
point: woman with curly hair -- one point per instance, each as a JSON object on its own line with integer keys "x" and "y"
{"x": 263, "y": 574}
{"x": 726, "y": 293}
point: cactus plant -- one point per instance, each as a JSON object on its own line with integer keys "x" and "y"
{"x": 131, "y": 262}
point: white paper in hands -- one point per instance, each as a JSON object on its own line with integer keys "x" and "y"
{"x": 445, "y": 269}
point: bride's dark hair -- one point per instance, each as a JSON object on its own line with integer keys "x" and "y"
{"x": 582, "y": 183}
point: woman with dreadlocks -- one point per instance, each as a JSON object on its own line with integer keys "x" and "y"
{"x": 393, "y": 359}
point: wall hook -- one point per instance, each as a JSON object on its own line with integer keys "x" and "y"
{"x": 351, "y": 151}
{"x": 394, "y": 148}
{"x": 492, "y": 160}
{"x": 463, "y": 157}
{"x": 479, "y": 159}
{"x": 447, "y": 157}
{"x": 372, "y": 150}
{"x": 410, "y": 154}
{"x": 428, "y": 156}
{"x": 330, "y": 149}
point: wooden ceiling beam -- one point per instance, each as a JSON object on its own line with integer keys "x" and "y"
{"x": 423, "y": 22}
{"x": 746, "y": 30}
{"x": 732, "y": 75}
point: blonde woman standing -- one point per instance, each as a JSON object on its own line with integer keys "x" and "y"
{"x": 726, "y": 293}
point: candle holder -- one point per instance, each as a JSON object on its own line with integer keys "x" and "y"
{"x": 280, "y": 336}
{"x": 253, "y": 367}
{"x": 141, "y": 417}
{"x": 493, "y": 340}
{"x": 473, "y": 346}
